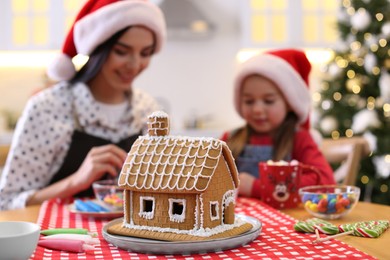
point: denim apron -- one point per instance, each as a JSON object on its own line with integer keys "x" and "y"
{"x": 249, "y": 159}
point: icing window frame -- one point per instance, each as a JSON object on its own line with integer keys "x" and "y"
{"x": 173, "y": 216}
{"x": 144, "y": 211}
{"x": 214, "y": 210}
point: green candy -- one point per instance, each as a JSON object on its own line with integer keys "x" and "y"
{"x": 53, "y": 231}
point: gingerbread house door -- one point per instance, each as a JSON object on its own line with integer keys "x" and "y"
{"x": 228, "y": 207}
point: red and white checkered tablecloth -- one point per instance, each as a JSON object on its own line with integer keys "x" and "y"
{"x": 277, "y": 238}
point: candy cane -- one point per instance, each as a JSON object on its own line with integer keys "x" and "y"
{"x": 312, "y": 224}
{"x": 370, "y": 229}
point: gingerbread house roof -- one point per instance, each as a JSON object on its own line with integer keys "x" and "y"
{"x": 174, "y": 163}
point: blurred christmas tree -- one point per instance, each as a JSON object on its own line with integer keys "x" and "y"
{"x": 355, "y": 94}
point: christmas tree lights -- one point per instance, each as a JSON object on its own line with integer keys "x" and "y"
{"x": 355, "y": 93}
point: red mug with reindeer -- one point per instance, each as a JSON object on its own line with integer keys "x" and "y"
{"x": 280, "y": 182}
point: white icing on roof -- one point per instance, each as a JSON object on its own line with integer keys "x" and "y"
{"x": 169, "y": 163}
{"x": 160, "y": 114}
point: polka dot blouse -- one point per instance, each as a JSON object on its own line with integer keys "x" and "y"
{"x": 43, "y": 135}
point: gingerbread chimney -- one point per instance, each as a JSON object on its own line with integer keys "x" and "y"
{"x": 158, "y": 124}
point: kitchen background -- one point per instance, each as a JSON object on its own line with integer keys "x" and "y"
{"x": 192, "y": 77}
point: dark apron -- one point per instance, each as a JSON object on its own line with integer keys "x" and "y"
{"x": 81, "y": 144}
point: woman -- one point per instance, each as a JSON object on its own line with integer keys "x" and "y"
{"x": 80, "y": 130}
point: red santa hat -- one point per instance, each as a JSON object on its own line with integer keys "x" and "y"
{"x": 289, "y": 69}
{"x": 96, "y": 22}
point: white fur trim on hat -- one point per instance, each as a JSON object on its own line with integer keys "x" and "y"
{"x": 61, "y": 68}
{"x": 283, "y": 75}
{"x": 88, "y": 34}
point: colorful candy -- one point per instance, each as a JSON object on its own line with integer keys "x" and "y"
{"x": 114, "y": 199}
{"x": 328, "y": 203}
{"x": 89, "y": 206}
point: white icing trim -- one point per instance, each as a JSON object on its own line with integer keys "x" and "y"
{"x": 176, "y": 217}
{"x": 194, "y": 146}
{"x": 131, "y": 208}
{"x": 228, "y": 197}
{"x": 196, "y": 224}
{"x": 216, "y": 203}
{"x": 201, "y": 211}
{"x": 142, "y": 213}
{"x": 201, "y": 232}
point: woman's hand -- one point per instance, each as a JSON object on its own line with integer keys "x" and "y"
{"x": 99, "y": 161}
{"x": 246, "y": 184}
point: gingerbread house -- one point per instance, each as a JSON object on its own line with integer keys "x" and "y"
{"x": 178, "y": 188}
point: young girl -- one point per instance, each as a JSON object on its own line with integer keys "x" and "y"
{"x": 271, "y": 94}
{"x": 81, "y": 129}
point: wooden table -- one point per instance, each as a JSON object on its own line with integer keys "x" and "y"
{"x": 363, "y": 211}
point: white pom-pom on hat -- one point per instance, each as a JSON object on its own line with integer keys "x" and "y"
{"x": 97, "y": 21}
{"x": 61, "y": 68}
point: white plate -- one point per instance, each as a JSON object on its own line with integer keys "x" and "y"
{"x": 150, "y": 246}
{"x": 109, "y": 214}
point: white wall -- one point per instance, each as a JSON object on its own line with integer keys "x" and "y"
{"x": 195, "y": 77}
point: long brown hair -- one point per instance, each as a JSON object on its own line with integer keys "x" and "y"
{"x": 99, "y": 56}
{"x": 283, "y": 138}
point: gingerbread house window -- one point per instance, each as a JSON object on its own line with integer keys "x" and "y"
{"x": 214, "y": 210}
{"x": 177, "y": 210}
{"x": 147, "y": 207}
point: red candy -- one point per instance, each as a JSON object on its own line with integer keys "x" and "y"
{"x": 345, "y": 202}
{"x": 328, "y": 203}
{"x": 322, "y": 205}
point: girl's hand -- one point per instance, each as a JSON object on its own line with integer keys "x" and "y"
{"x": 246, "y": 184}
{"x": 99, "y": 161}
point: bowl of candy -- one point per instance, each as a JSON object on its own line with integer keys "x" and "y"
{"x": 329, "y": 201}
{"x": 108, "y": 193}
{"x": 18, "y": 239}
